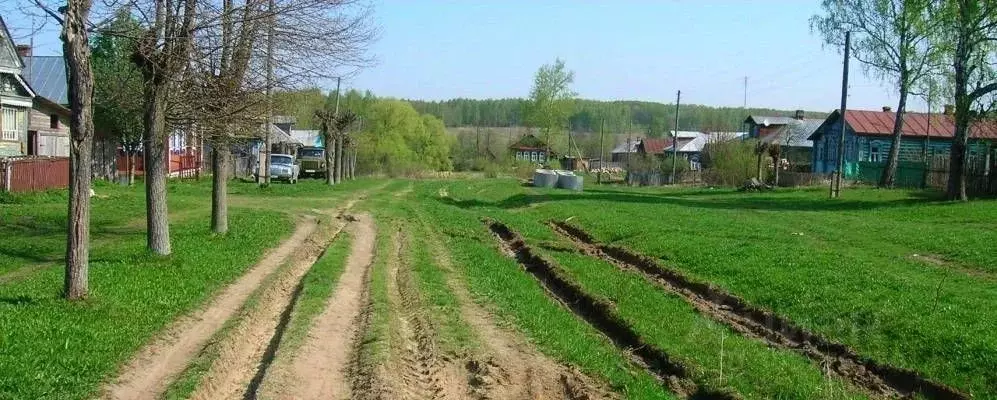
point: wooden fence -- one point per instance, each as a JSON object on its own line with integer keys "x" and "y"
{"x": 33, "y": 173}
{"x": 981, "y": 176}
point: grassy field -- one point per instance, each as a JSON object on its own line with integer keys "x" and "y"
{"x": 900, "y": 277}
{"x": 52, "y": 349}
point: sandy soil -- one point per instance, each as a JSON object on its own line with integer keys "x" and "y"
{"x": 243, "y": 352}
{"x": 319, "y": 369}
{"x": 149, "y": 372}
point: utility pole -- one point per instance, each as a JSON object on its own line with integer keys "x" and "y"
{"x": 745, "y": 92}
{"x": 602, "y": 150}
{"x": 836, "y": 184}
{"x": 337, "y": 158}
{"x": 265, "y": 155}
{"x": 675, "y": 137}
{"x": 630, "y": 123}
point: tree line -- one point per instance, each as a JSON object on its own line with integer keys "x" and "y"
{"x": 652, "y": 118}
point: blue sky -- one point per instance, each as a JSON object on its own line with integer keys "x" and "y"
{"x": 625, "y": 49}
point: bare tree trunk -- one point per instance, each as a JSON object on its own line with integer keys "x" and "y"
{"x": 353, "y": 163}
{"x": 339, "y": 158}
{"x": 330, "y": 151}
{"x": 776, "y": 162}
{"x": 219, "y": 187}
{"x": 958, "y": 162}
{"x": 760, "y": 166}
{"x": 890, "y": 172}
{"x": 130, "y": 161}
{"x": 158, "y": 227}
{"x": 76, "y": 46}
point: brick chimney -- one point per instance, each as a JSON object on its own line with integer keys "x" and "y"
{"x": 887, "y": 109}
{"x": 949, "y": 109}
{"x": 23, "y": 50}
{"x": 799, "y": 115}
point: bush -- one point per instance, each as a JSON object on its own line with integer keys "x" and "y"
{"x": 729, "y": 163}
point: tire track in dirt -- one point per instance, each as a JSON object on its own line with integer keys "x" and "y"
{"x": 150, "y": 371}
{"x": 510, "y": 368}
{"x": 751, "y": 321}
{"x": 600, "y": 315}
{"x": 249, "y": 347}
{"x": 416, "y": 370}
{"x": 320, "y": 369}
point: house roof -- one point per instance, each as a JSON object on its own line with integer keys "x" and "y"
{"x": 279, "y": 136}
{"x": 795, "y": 134}
{"x": 767, "y": 120}
{"x": 47, "y": 76}
{"x": 654, "y": 145}
{"x": 686, "y": 134}
{"x": 529, "y": 142}
{"x": 622, "y": 147}
{"x": 9, "y": 61}
{"x": 880, "y": 123}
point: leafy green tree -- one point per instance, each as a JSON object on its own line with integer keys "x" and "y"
{"x": 969, "y": 36}
{"x": 551, "y": 99}
{"x": 118, "y": 107}
{"x": 398, "y": 141}
{"x": 893, "y": 41}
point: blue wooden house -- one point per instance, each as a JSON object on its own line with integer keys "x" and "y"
{"x": 868, "y": 136}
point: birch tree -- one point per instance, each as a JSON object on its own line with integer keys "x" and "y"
{"x": 893, "y": 41}
{"x": 969, "y": 36}
{"x": 551, "y": 99}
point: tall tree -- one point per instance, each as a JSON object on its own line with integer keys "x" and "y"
{"x": 551, "y": 99}
{"x": 969, "y": 33}
{"x": 893, "y": 41}
{"x": 79, "y": 70}
{"x": 117, "y": 107}
{"x": 162, "y": 54}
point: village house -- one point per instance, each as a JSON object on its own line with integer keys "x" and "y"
{"x": 48, "y": 126}
{"x": 868, "y": 137}
{"x": 690, "y": 145}
{"x": 16, "y": 99}
{"x": 793, "y": 139}
{"x": 530, "y": 148}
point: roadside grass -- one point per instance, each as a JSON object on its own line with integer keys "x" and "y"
{"x": 53, "y": 349}
{"x": 375, "y": 342}
{"x": 184, "y": 384}
{"x": 454, "y": 334}
{"x": 499, "y": 282}
{"x": 842, "y": 268}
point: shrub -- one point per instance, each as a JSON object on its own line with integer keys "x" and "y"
{"x": 729, "y": 163}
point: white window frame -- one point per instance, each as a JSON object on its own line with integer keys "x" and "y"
{"x": 12, "y": 124}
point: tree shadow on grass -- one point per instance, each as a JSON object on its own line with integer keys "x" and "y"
{"x": 728, "y": 201}
{"x": 21, "y": 300}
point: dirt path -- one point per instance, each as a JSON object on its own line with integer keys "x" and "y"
{"x": 510, "y": 368}
{"x": 246, "y": 351}
{"x": 149, "y": 372}
{"x": 414, "y": 370}
{"x": 318, "y": 370}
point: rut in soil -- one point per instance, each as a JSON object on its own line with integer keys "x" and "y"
{"x": 600, "y": 316}
{"x": 751, "y": 321}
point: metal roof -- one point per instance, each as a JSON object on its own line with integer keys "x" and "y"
{"x": 622, "y": 147}
{"x": 47, "y": 76}
{"x": 795, "y": 134}
{"x": 880, "y": 123}
{"x": 768, "y": 120}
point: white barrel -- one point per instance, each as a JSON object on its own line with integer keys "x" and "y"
{"x": 570, "y": 181}
{"x": 544, "y": 178}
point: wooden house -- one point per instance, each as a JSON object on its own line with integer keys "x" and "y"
{"x": 530, "y": 148}
{"x": 868, "y": 137}
{"x": 16, "y": 98}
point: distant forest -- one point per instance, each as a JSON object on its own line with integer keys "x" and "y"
{"x": 653, "y": 119}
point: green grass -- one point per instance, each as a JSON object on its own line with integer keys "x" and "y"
{"x": 54, "y": 349}
{"x": 376, "y": 338}
{"x": 842, "y": 268}
{"x": 500, "y": 282}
